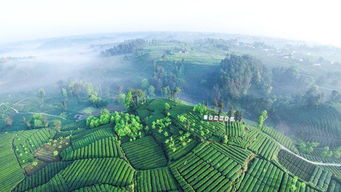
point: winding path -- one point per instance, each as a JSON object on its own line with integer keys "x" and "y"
{"x": 29, "y": 112}
{"x": 304, "y": 159}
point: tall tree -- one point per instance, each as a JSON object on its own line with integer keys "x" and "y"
{"x": 214, "y": 103}
{"x": 128, "y": 100}
{"x": 42, "y": 95}
{"x": 313, "y": 96}
{"x": 221, "y": 105}
{"x": 262, "y": 117}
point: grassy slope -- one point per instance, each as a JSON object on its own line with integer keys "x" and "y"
{"x": 206, "y": 157}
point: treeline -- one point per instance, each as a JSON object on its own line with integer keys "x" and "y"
{"x": 167, "y": 77}
{"x": 126, "y": 47}
{"x": 78, "y": 90}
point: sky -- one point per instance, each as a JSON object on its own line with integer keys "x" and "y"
{"x": 308, "y": 20}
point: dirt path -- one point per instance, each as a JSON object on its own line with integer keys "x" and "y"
{"x": 304, "y": 159}
{"x": 46, "y": 114}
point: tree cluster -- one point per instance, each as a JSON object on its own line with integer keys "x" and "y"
{"x": 126, "y": 47}
{"x": 37, "y": 121}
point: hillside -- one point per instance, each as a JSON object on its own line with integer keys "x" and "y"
{"x": 161, "y": 145}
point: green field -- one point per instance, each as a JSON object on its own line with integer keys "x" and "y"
{"x": 176, "y": 151}
{"x": 11, "y": 172}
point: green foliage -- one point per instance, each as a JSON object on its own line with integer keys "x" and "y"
{"x": 127, "y": 125}
{"x": 307, "y": 147}
{"x": 262, "y": 117}
{"x": 126, "y": 47}
{"x": 144, "y": 83}
{"x": 37, "y": 121}
{"x": 200, "y": 108}
{"x": 151, "y": 90}
{"x": 57, "y": 124}
{"x": 42, "y": 94}
{"x": 326, "y": 152}
{"x": 103, "y": 119}
{"x": 95, "y": 100}
{"x": 128, "y": 100}
{"x": 313, "y": 96}
{"x": 182, "y": 118}
{"x": 240, "y": 74}
{"x": 161, "y": 124}
{"x": 120, "y": 100}
{"x": 166, "y": 107}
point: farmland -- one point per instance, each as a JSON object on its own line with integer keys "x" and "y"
{"x": 172, "y": 149}
{"x": 11, "y": 173}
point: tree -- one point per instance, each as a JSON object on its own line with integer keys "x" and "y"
{"x": 206, "y": 104}
{"x": 226, "y": 140}
{"x": 138, "y": 97}
{"x": 214, "y": 104}
{"x": 200, "y": 108}
{"x": 335, "y": 97}
{"x": 120, "y": 99}
{"x": 230, "y": 113}
{"x": 95, "y": 100}
{"x": 57, "y": 124}
{"x": 313, "y": 96}
{"x": 262, "y": 117}
{"x": 166, "y": 107}
{"x": 221, "y": 105}
{"x": 104, "y": 117}
{"x": 151, "y": 91}
{"x": 165, "y": 91}
{"x": 144, "y": 83}
{"x": 237, "y": 116}
{"x": 64, "y": 93}
{"x": 8, "y": 121}
{"x": 37, "y": 121}
{"x": 128, "y": 100}
{"x": 42, "y": 95}
{"x": 176, "y": 91}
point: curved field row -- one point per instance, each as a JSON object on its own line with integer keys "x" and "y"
{"x": 106, "y": 147}
{"x": 160, "y": 179}
{"x": 11, "y": 172}
{"x": 306, "y": 171}
{"x": 42, "y": 176}
{"x": 87, "y": 137}
{"x": 144, "y": 153}
{"x": 93, "y": 171}
{"x": 28, "y": 141}
{"x": 100, "y": 187}
{"x": 206, "y": 169}
{"x": 264, "y": 146}
{"x": 334, "y": 186}
{"x": 281, "y": 138}
{"x": 265, "y": 176}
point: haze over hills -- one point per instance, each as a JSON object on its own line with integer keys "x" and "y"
{"x": 102, "y": 103}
